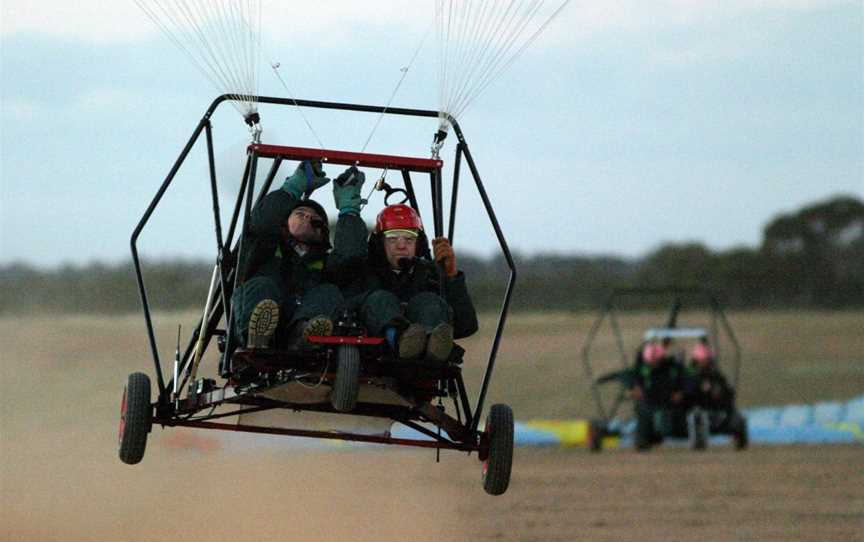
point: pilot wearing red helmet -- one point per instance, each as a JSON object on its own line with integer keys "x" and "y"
{"x": 402, "y": 300}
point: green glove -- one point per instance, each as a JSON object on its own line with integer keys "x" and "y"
{"x": 305, "y": 179}
{"x": 346, "y": 191}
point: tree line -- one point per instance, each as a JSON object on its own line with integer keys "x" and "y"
{"x": 812, "y": 258}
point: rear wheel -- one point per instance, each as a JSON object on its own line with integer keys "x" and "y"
{"x": 135, "y": 418}
{"x": 344, "y": 394}
{"x": 739, "y": 432}
{"x": 498, "y": 461}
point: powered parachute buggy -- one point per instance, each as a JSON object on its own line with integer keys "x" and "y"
{"x": 348, "y": 374}
{"x": 696, "y": 413}
{"x": 346, "y": 386}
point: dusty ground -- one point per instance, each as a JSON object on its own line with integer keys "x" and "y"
{"x": 60, "y": 478}
{"x": 81, "y": 492}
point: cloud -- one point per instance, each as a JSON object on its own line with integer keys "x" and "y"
{"x": 96, "y": 100}
{"x": 20, "y": 109}
{"x": 98, "y": 21}
{"x": 101, "y": 100}
{"x": 327, "y": 22}
{"x": 589, "y": 17}
{"x": 84, "y": 20}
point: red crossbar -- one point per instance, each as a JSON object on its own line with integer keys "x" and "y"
{"x": 360, "y": 159}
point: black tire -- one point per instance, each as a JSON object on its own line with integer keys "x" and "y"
{"x": 596, "y": 431}
{"x": 697, "y": 429}
{"x": 740, "y": 435}
{"x": 344, "y": 394}
{"x": 136, "y": 416}
{"x": 644, "y": 438}
{"x": 499, "y": 461}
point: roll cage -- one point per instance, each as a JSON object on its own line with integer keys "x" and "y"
{"x": 181, "y": 397}
{"x": 676, "y": 298}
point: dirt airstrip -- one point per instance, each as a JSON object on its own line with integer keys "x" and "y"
{"x": 60, "y": 478}
{"x": 81, "y": 492}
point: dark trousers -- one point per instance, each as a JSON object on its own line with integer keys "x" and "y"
{"x": 653, "y": 421}
{"x": 324, "y": 299}
{"x": 381, "y": 308}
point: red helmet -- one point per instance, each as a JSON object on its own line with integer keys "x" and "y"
{"x": 702, "y": 353}
{"x": 653, "y": 352}
{"x": 398, "y": 217}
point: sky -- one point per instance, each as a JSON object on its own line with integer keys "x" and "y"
{"x": 626, "y": 125}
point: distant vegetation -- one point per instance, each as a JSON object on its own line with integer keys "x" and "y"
{"x": 813, "y": 258}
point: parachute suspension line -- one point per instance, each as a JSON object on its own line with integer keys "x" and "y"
{"x": 184, "y": 24}
{"x": 404, "y": 70}
{"x": 477, "y": 46}
{"x": 444, "y": 24}
{"x": 479, "y": 34}
{"x": 510, "y": 24}
{"x": 521, "y": 49}
{"x": 454, "y": 52}
{"x": 379, "y": 185}
{"x": 478, "y": 40}
{"x": 222, "y": 38}
{"x": 275, "y": 66}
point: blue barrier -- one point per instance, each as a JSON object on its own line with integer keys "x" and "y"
{"x": 831, "y": 422}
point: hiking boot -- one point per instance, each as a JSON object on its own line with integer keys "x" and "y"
{"x": 412, "y": 341}
{"x": 318, "y": 326}
{"x": 262, "y": 324}
{"x": 440, "y": 343}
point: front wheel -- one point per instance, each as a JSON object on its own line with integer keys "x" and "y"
{"x": 344, "y": 394}
{"x": 596, "y": 431}
{"x": 135, "y": 418}
{"x": 498, "y": 459}
{"x": 697, "y": 429}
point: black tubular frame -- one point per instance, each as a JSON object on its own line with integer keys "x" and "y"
{"x": 703, "y": 296}
{"x": 220, "y": 301}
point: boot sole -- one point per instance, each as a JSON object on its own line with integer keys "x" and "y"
{"x": 262, "y": 324}
{"x": 319, "y": 326}
{"x": 440, "y": 343}
{"x": 412, "y": 342}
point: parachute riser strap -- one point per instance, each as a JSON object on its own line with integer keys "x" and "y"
{"x": 438, "y": 141}
{"x": 253, "y": 120}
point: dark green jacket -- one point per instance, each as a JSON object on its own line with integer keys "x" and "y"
{"x": 268, "y": 250}
{"x": 708, "y": 388}
{"x": 661, "y": 381}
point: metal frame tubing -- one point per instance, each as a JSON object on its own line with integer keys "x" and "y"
{"x": 589, "y": 371}
{"x": 454, "y": 191}
{"x": 446, "y": 444}
{"x": 502, "y": 242}
{"x": 206, "y": 325}
{"x": 205, "y": 121}
{"x": 409, "y": 188}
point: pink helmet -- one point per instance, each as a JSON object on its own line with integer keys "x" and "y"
{"x": 653, "y": 352}
{"x": 702, "y": 353}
